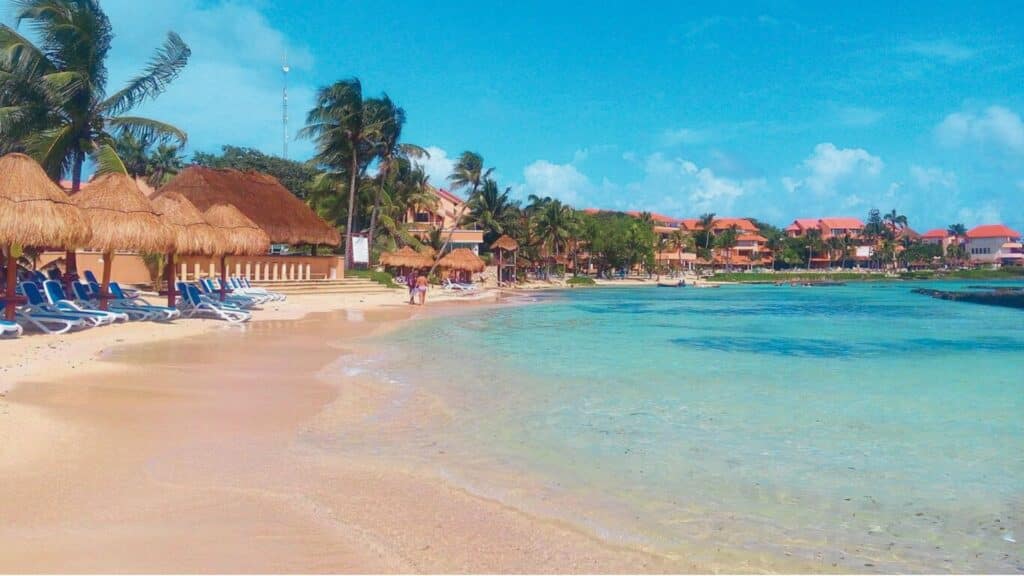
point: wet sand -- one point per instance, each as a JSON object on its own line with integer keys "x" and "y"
{"x": 187, "y": 454}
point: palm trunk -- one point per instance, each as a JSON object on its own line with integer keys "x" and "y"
{"x": 376, "y": 208}
{"x": 351, "y": 206}
{"x": 71, "y": 256}
{"x": 451, "y": 233}
{"x": 223, "y": 277}
{"x": 169, "y": 273}
{"x": 12, "y": 280}
{"x": 108, "y": 264}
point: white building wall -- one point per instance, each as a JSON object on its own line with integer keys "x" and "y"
{"x": 985, "y": 250}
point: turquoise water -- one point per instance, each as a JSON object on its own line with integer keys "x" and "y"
{"x": 849, "y": 428}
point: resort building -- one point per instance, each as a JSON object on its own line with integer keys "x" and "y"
{"x": 443, "y": 215}
{"x": 994, "y": 244}
{"x": 939, "y": 237}
{"x": 831, "y": 226}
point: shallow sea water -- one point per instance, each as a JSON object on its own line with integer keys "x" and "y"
{"x": 859, "y": 427}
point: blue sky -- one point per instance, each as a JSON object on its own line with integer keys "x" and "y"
{"x": 766, "y": 109}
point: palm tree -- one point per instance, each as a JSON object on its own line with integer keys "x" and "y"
{"x": 346, "y": 138}
{"x": 53, "y": 100}
{"x": 707, "y": 223}
{"x": 814, "y": 244}
{"x": 164, "y": 163}
{"x": 727, "y": 240}
{"x": 134, "y": 153}
{"x": 389, "y": 148}
{"x": 554, "y": 225}
{"x": 493, "y": 211}
{"x": 896, "y": 221}
{"x": 468, "y": 172}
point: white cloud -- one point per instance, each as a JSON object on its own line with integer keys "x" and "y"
{"x": 996, "y": 126}
{"x": 987, "y": 213}
{"x": 561, "y": 181}
{"x": 828, "y": 166}
{"x": 931, "y": 177}
{"x": 687, "y": 188}
{"x": 941, "y": 49}
{"x": 438, "y": 166}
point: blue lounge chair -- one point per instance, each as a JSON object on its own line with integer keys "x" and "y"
{"x": 243, "y": 284}
{"x": 87, "y": 300}
{"x": 38, "y": 303}
{"x": 260, "y": 297}
{"x": 39, "y": 317}
{"x": 212, "y": 291}
{"x": 90, "y": 278}
{"x": 56, "y": 297}
{"x": 9, "y": 329}
{"x": 193, "y": 304}
{"x": 160, "y": 312}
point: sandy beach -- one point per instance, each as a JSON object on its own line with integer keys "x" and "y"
{"x": 167, "y": 448}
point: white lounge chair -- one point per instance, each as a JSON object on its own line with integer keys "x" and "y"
{"x": 10, "y": 329}
{"x": 193, "y": 304}
{"x": 56, "y": 297}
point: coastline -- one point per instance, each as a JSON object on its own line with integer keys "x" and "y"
{"x": 115, "y": 447}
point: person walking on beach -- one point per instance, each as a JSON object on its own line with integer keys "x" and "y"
{"x": 421, "y": 288}
{"x": 410, "y": 282}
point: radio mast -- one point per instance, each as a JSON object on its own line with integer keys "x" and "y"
{"x": 285, "y": 69}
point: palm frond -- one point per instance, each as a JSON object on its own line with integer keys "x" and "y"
{"x": 51, "y": 149}
{"x": 163, "y": 68}
{"x": 147, "y": 129}
{"x": 107, "y": 161}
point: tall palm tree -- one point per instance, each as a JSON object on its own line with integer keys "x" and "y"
{"x": 727, "y": 240}
{"x": 389, "y": 148}
{"x": 957, "y": 231}
{"x": 134, "y": 153}
{"x": 493, "y": 211}
{"x": 468, "y": 172}
{"x": 814, "y": 244}
{"x": 707, "y": 223}
{"x": 897, "y": 222}
{"x": 346, "y": 137}
{"x": 53, "y": 99}
{"x": 555, "y": 226}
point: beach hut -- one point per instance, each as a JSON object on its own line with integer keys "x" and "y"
{"x": 259, "y": 197}
{"x": 121, "y": 218}
{"x": 34, "y": 211}
{"x": 193, "y": 235}
{"x": 241, "y": 237}
{"x": 406, "y": 257}
{"x": 462, "y": 260}
{"x": 507, "y": 249}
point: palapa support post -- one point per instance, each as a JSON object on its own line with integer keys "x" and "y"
{"x": 223, "y": 277}
{"x": 70, "y": 271}
{"x": 169, "y": 273}
{"x": 12, "y": 281}
{"x": 108, "y": 263}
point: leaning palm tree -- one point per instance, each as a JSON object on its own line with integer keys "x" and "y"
{"x": 346, "y": 138}
{"x": 390, "y": 150}
{"x": 468, "y": 172}
{"x": 53, "y": 99}
{"x": 707, "y": 223}
{"x": 493, "y": 211}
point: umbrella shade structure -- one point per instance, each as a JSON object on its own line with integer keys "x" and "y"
{"x": 34, "y": 211}
{"x": 193, "y": 235}
{"x": 121, "y": 218}
{"x": 506, "y": 243}
{"x": 260, "y": 197}
{"x": 406, "y": 257}
{"x": 463, "y": 259}
{"x": 241, "y": 237}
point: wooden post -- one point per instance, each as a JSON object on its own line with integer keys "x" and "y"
{"x": 70, "y": 270}
{"x": 12, "y": 280}
{"x": 108, "y": 263}
{"x": 172, "y": 289}
{"x": 223, "y": 277}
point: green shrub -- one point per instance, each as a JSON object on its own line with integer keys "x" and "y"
{"x": 580, "y": 281}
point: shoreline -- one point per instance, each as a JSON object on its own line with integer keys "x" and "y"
{"x": 122, "y": 450}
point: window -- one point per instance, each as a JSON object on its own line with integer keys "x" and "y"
{"x": 423, "y": 216}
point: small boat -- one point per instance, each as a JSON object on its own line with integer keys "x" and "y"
{"x": 670, "y": 282}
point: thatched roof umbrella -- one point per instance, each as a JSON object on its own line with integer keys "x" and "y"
{"x": 462, "y": 259}
{"x": 502, "y": 245}
{"x": 241, "y": 237}
{"x": 260, "y": 197}
{"x": 122, "y": 218}
{"x": 34, "y": 211}
{"x": 406, "y": 257}
{"x": 193, "y": 235}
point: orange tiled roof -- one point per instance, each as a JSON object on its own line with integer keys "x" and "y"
{"x": 842, "y": 222}
{"x": 751, "y": 238}
{"x": 992, "y": 231}
{"x": 742, "y": 223}
{"x": 936, "y": 233}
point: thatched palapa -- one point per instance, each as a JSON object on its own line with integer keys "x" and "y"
{"x": 240, "y": 234}
{"x": 193, "y": 235}
{"x": 406, "y": 257}
{"x": 260, "y": 197}
{"x": 506, "y": 242}
{"x": 34, "y": 211}
{"x": 463, "y": 259}
{"x": 121, "y": 217}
